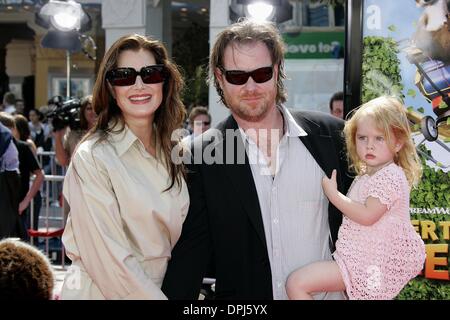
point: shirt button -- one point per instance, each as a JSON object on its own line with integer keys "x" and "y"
{"x": 278, "y": 284}
{"x": 275, "y": 221}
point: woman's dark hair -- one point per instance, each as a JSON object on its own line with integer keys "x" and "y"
{"x": 168, "y": 117}
{"x": 84, "y": 124}
{"x": 39, "y": 114}
{"x": 22, "y": 127}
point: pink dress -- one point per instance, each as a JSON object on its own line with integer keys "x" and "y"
{"x": 377, "y": 261}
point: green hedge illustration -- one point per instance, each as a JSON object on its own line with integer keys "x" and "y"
{"x": 432, "y": 192}
{"x": 381, "y": 76}
{"x": 380, "y": 69}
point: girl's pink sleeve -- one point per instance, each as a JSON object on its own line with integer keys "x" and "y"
{"x": 385, "y": 185}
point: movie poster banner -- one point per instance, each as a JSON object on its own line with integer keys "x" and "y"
{"x": 406, "y": 52}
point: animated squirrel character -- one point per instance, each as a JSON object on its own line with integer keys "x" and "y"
{"x": 433, "y": 30}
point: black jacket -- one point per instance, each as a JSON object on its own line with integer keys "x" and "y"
{"x": 224, "y": 219}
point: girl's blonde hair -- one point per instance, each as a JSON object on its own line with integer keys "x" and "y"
{"x": 389, "y": 115}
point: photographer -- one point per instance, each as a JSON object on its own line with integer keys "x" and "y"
{"x": 67, "y": 139}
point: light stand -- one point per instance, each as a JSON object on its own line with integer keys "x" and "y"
{"x": 65, "y": 21}
{"x": 68, "y": 86}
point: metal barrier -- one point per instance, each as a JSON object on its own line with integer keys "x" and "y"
{"x": 51, "y": 168}
{"x": 51, "y": 155}
{"x": 52, "y": 212}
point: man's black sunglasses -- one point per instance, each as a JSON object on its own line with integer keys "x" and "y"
{"x": 127, "y": 76}
{"x": 239, "y": 77}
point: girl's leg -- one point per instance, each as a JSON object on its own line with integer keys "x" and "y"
{"x": 323, "y": 276}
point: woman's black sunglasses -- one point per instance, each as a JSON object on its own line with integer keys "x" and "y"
{"x": 127, "y": 76}
{"x": 239, "y": 77}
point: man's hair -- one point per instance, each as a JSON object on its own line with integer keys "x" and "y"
{"x": 248, "y": 31}
{"x": 7, "y": 120}
{"x": 9, "y": 98}
{"x": 25, "y": 272}
{"x": 338, "y": 96}
{"x": 198, "y": 111}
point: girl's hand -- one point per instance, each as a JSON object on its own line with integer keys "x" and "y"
{"x": 23, "y": 205}
{"x": 329, "y": 185}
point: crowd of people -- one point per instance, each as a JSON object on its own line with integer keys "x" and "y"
{"x": 288, "y": 208}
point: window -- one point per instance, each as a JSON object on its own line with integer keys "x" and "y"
{"x": 80, "y": 87}
{"x": 316, "y": 14}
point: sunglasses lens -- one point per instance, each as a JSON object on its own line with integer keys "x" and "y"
{"x": 236, "y": 77}
{"x": 127, "y": 76}
{"x": 262, "y": 74}
{"x": 239, "y": 77}
{"x": 122, "y": 77}
{"x": 153, "y": 74}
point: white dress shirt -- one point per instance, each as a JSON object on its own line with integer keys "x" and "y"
{"x": 293, "y": 206}
{"x": 122, "y": 226}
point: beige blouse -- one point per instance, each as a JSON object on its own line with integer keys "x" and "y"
{"x": 122, "y": 226}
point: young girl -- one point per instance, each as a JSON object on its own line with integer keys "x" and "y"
{"x": 378, "y": 250}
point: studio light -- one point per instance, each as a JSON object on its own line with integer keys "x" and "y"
{"x": 65, "y": 16}
{"x": 261, "y": 10}
{"x": 65, "y": 21}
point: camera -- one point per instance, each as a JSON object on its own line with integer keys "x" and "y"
{"x": 66, "y": 113}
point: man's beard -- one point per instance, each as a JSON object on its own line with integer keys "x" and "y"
{"x": 248, "y": 113}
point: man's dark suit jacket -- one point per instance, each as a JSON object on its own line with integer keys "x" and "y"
{"x": 224, "y": 219}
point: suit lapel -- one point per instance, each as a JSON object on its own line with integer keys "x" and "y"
{"x": 320, "y": 146}
{"x": 242, "y": 180}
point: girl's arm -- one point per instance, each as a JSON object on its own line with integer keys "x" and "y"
{"x": 35, "y": 186}
{"x": 365, "y": 214}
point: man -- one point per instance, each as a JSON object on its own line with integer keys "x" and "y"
{"x": 199, "y": 122}
{"x": 28, "y": 166}
{"x": 265, "y": 216}
{"x": 10, "y": 224}
{"x": 337, "y": 105}
{"x": 9, "y": 103}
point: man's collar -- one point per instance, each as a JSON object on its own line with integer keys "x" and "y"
{"x": 293, "y": 129}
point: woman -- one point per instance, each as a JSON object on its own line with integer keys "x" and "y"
{"x": 24, "y": 133}
{"x": 66, "y": 141}
{"x": 40, "y": 132}
{"x": 128, "y": 200}
{"x": 28, "y": 166}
